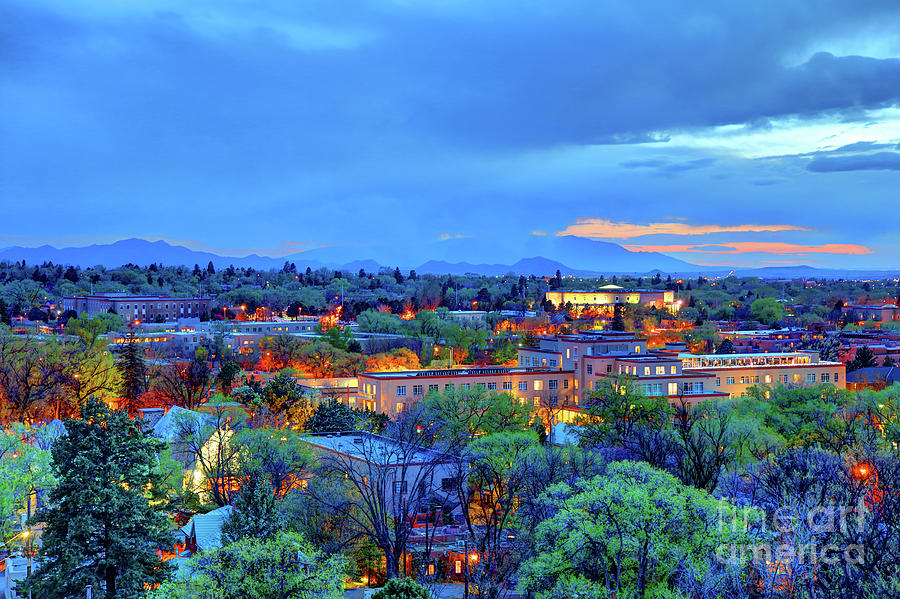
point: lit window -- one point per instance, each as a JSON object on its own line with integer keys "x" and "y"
{"x": 538, "y": 385}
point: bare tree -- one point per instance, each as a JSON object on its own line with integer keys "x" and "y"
{"x": 390, "y": 478}
{"x": 32, "y": 378}
{"x": 185, "y": 384}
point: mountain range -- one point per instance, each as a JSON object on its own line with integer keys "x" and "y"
{"x": 574, "y": 256}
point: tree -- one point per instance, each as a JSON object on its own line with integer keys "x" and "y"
{"x": 405, "y": 456}
{"x": 629, "y": 532}
{"x": 402, "y": 588}
{"x": 285, "y": 566}
{"x": 184, "y": 384}
{"x": 132, "y": 370}
{"x": 256, "y": 512}
{"x": 24, "y": 469}
{"x": 461, "y": 414}
{"x": 766, "y": 310}
{"x": 32, "y": 377}
{"x": 101, "y": 527}
{"x": 226, "y": 375}
{"x": 210, "y": 269}
{"x": 618, "y": 322}
{"x": 864, "y": 358}
{"x": 332, "y": 416}
{"x": 618, "y": 416}
{"x": 707, "y": 444}
{"x": 726, "y": 347}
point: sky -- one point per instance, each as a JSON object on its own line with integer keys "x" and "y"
{"x": 738, "y": 133}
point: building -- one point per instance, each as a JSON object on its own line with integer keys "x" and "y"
{"x": 392, "y": 392}
{"x": 880, "y": 313}
{"x": 404, "y": 472}
{"x": 735, "y": 373}
{"x": 877, "y": 378}
{"x": 138, "y": 307}
{"x": 610, "y": 295}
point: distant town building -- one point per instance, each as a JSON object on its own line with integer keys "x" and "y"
{"x": 610, "y": 295}
{"x": 882, "y": 313}
{"x": 138, "y": 307}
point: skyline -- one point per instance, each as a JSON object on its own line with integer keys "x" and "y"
{"x": 763, "y": 135}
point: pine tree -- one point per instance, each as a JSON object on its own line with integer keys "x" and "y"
{"x": 101, "y": 528}
{"x": 255, "y": 512}
{"x": 618, "y": 323}
{"x": 332, "y": 416}
{"x": 133, "y": 371}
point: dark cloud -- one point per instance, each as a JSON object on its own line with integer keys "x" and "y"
{"x": 858, "y": 162}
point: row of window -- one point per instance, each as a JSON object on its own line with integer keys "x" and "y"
{"x": 552, "y": 385}
{"x": 647, "y": 370}
{"x": 784, "y": 379}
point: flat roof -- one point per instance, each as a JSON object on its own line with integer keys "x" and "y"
{"x": 370, "y": 447}
{"x": 463, "y": 372}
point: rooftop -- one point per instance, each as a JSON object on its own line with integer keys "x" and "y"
{"x": 460, "y": 372}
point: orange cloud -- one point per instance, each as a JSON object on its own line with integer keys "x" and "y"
{"x": 756, "y": 246}
{"x": 605, "y": 228}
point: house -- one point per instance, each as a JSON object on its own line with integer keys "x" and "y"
{"x": 204, "y": 531}
{"x": 879, "y": 377}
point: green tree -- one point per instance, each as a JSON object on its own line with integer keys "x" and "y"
{"x": 256, "y": 512}
{"x": 132, "y": 370}
{"x": 332, "y": 416}
{"x": 282, "y": 567}
{"x": 24, "y": 468}
{"x": 101, "y": 526}
{"x": 468, "y": 413}
{"x": 629, "y": 532}
{"x": 402, "y": 588}
{"x": 864, "y": 358}
{"x": 226, "y": 376}
{"x": 766, "y": 310}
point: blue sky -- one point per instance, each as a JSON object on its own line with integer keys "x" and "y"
{"x": 752, "y": 133}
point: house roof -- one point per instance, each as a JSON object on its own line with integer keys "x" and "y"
{"x": 888, "y": 374}
{"x": 170, "y": 427}
{"x": 207, "y": 528}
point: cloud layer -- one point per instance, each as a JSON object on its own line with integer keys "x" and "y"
{"x": 383, "y": 127}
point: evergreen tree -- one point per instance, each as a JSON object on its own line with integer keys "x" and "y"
{"x": 210, "y": 269}
{"x": 133, "y": 370}
{"x": 331, "y": 416}
{"x": 865, "y": 358}
{"x": 4, "y": 314}
{"x": 101, "y": 528}
{"x": 256, "y": 512}
{"x": 618, "y": 323}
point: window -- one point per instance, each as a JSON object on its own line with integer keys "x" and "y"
{"x": 756, "y": 379}
{"x": 646, "y": 370}
{"x": 566, "y": 384}
{"x": 538, "y": 385}
{"x": 400, "y": 406}
{"x": 401, "y": 390}
{"x": 825, "y": 377}
{"x": 590, "y": 369}
{"x": 652, "y": 389}
{"x": 448, "y": 387}
{"x": 432, "y": 388}
{"x": 553, "y": 385}
{"x": 797, "y": 377}
{"x": 718, "y": 382}
{"x": 507, "y": 385}
{"x": 448, "y": 484}
{"x": 693, "y": 388}
{"x": 768, "y": 378}
{"x": 417, "y": 389}
{"x": 743, "y": 380}
{"x": 523, "y": 386}
{"x": 810, "y": 378}
{"x": 729, "y": 380}
{"x": 400, "y": 486}
{"x": 673, "y": 389}
{"x": 464, "y": 386}
{"x": 837, "y": 377}
{"x": 492, "y": 386}
{"x": 660, "y": 370}
{"x": 673, "y": 370}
